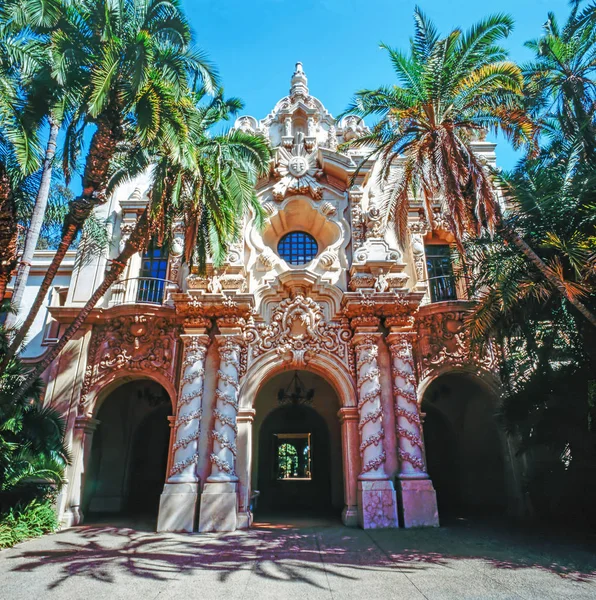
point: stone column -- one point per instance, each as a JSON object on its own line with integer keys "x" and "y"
{"x": 348, "y": 417}
{"x": 82, "y": 441}
{"x": 246, "y": 418}
{"x": 377, "y": 506}
{"x": 179, "y": 500}
{"x": 418, "y": 497}
{"x": 219, "y": 505}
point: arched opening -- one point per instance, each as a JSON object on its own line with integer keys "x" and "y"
{"x": 463, "y": 447}
{"x": 129, "y": 454}
{"x": 297, "y": 448}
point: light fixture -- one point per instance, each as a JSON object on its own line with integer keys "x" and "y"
{"x": 295, "y": 393}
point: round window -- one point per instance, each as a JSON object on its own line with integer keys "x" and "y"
{"x": 297, "y": 248}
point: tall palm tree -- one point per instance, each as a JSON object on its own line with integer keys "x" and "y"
{"x": 131, "y": 62}
{"x": 18, "y": 145}
{"x": 449, "y": 91}
{"x": 560, "y": 80}
{"x": 46, "y": 101}
{"x": 209, "y": 184}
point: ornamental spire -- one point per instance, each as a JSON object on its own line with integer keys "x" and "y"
{"x": 299, "y": 82}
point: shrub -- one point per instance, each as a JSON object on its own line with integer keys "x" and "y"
{"x": 23, "y": 522}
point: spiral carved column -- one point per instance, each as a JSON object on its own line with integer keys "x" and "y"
{"x": 409, "y": 430}
{"x": 225, "y": 431}
{"x": 370, "y": 424}
{"x": 417, "y": 494}
{"x": 219, "y": 504}
{"x": 187, "y": 426}
{"x": 180, "y": 498}
{"x": 377, "y": 505}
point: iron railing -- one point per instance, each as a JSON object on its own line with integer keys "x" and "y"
{"x": 140, "y": 290}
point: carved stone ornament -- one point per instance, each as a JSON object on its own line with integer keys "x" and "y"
{"x": 298, "y": 171}
{"x": 298, "y": 331}
{"x": 131, "y": 343}
{"x": 443, "y": 342}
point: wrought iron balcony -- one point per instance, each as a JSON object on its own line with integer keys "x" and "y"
{"x": 141, "y": 290}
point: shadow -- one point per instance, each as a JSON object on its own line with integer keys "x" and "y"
{"x": 305, "y": 552}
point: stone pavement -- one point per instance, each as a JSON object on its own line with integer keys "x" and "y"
{"x": 307, "y": 559}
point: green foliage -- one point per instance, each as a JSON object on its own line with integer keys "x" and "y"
{"x": 23, "y": 522}
{"x": 449, "y": 91}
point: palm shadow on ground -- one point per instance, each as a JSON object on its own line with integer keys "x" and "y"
{"x": 302, "y": 553}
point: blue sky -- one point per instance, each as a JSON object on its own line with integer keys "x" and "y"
{"x": 256, "y": 43}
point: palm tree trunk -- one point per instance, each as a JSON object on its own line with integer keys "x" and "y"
{"x": 101, "y": 151}
{"x": 134, "y": 244}
{"x": 8, "y": 231}
{"x": 39, "y": 211}
{"x": 514, "y": 238}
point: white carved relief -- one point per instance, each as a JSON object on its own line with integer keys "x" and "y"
{"x": 298, "y": 171}
{"x": 298, "y": 330}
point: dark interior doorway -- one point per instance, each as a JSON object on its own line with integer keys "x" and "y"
{"x": 463, "y": 448}
{"x": 294, "y": 462}
{"x": 129, "y": 453}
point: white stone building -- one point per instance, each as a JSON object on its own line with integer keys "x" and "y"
{"x": 294, "y": 378}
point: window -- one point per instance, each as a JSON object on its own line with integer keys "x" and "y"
{"x": 152, "y": 281}
{"x": 292, "y": 456}
{"x": 440, "y": 273}
{"x": 297, "y": 248}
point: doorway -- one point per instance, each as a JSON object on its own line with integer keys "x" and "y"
{"x": 297, "y": 464}
{"x": 129, "y": 454}
{"x": 463, "y": 447}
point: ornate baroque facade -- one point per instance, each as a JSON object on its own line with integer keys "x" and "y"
{"x": 357, "y": 313}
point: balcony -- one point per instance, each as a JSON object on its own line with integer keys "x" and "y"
{"x": 141, "y": 290}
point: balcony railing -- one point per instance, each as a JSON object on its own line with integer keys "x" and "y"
{"x": 140, "y": 290}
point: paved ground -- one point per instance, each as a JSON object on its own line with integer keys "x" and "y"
{"x": 306, "y": 560}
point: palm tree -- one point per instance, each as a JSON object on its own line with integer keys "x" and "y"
{"x": 18, "y": 145}
{"x": 46, "y": 100}
{"x": 449, "y": 91}
{"x": 560, "y": 80}
{"x": 131, "y": 62}
{"x": 209, "y": 183}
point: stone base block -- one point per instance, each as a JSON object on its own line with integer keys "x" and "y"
{"x": 71, "y": 517}
{"x": 418, "y": 503}
{"x": 349, "y": 516}
{"x": 178, "y": 507}
{"x": 245, "y": 520}
{"x": 377, "y": 505}
{"x": 219, "y": 507}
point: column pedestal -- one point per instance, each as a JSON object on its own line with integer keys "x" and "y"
{"x": 418, "y": 506}
{"x": 219, "y": 507}
{"x": 178, "y": 507}
{"x": 349, "y": 516}
{"x": 377, "y": 504}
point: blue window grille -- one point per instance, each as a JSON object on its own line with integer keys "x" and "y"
{"x": 297, "y": 248}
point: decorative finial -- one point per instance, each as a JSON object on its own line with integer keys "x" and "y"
{"x": 299, "y": 82}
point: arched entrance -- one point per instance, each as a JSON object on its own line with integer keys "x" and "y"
{"x": 463, "y": 447}
{"x": 297, "y": 447}
{"x": 129, "y": 453}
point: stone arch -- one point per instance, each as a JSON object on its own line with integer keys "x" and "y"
{"x": 103, "y": 387}
{"x": 328, "y": 367}
{"x": 335, "y": 373}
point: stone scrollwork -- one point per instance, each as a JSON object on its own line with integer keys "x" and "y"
{"x": 133, "y": 343}
{"x": 298, "y": 331}
{"x": 443, "y": 342}
{"x": 187, "y": 426}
